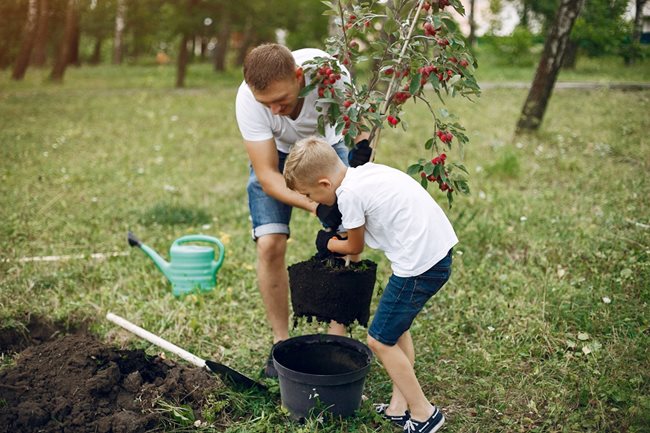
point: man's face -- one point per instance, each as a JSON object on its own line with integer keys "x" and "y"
{"x": 321, "y": 192}
{"x": 281, "y": 97}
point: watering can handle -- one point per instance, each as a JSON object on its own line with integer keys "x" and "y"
{"x": 204, "y": 238}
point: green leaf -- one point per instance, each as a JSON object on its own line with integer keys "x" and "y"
{"x": 424, "y": 182}
{"x": 415, "y": 84}
{"x": 308, "y": 88}
{"x": 461, "y": 167}
{"x": 429, "y": 144}
{"x": 334, "y": 111}
{"x": 414, "y": 169}
{"x": 429, "y": 168}
{"x": 339, "y": 127}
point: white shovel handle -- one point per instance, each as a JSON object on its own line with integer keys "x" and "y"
{"x": 154, "y": 339}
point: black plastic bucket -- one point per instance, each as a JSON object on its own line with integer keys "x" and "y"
{"x": 327, "y": 371}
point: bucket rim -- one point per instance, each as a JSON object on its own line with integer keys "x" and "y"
{"x": 324, "y": 379}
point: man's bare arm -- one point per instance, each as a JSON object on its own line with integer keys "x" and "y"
{"x": 264, "y": 157}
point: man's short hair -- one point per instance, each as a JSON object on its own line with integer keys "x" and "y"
{"x": 310, "y": 159}
{"x": 268, "y": 63}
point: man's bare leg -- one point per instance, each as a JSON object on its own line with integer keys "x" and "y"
{"x": 273, "y": 283}
{"x": 336, "y": 328}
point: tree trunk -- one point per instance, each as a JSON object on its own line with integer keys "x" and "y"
{"x": 571, "y": 55}
{"x": 39, "y": 54}
{"x": 471, "y": 39}
{"x": 524, "y": 14}
{"x": 247, "y": 41}
{"x": 120, "y": 23}
{"x": 183, "y": 56}
{"x": 223, "y": 37}
{"x": 204, "y": 47}
{"x": 636, "y": 33}
{"x": 549, "y": 66}
{"x": 63, "y": 57}
{"x": 29, "y": 36}
{"x": 96, "y": 57}
{"x": 73, "y": 58}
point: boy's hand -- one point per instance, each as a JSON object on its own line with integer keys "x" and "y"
{"x": 322, "y": 239}
{"x": 329, "y": 216}
{"x": 359, "y": 154}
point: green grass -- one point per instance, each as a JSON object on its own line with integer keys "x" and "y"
{"x": 556, "y": 222}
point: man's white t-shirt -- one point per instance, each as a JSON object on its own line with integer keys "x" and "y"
{"x": 400, "y": 217}
{"x": 257, "y": 122}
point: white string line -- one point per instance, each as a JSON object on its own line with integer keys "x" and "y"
{"x": 97, "y": 256}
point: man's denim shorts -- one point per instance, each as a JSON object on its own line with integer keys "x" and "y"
{"x": 270, "y": 216}
{"x": 404, "y": 298}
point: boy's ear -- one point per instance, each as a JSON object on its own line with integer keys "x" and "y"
{"x": 299, "y": 73}
{"x": 324, "y": 182}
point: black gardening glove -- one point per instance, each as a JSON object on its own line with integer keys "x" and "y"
{"x": 359, "y": 154}
{"x": 322, "y": 238}
{"x": 329, "y": 216}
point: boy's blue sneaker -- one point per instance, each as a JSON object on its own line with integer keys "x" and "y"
{"x": 432, "y": 425}
{"x": 399, "y": 420}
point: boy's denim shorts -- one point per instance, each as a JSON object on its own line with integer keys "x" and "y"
{"x": 404, "y": 298}
{"x": 268, "y": 215}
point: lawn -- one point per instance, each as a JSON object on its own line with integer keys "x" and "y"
{"x": 544, "y": 326}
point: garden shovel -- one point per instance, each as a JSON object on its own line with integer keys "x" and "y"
{"x": 229, "y": 375}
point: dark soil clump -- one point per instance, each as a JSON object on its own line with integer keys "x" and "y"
{"x": 327, "y": 290}
{"x": 78, "y": 384}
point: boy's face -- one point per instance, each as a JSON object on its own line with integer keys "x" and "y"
{"x": 322, "y": 192}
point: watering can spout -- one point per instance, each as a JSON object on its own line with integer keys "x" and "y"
{"x": 163, "y": 265}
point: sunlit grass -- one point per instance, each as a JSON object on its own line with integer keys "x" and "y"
{"x": 521, "y": 339}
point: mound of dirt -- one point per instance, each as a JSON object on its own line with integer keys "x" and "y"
{"x": 76, "y": 383}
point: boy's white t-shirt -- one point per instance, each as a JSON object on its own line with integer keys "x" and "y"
{"x": 257, "y": 122}
{"x": 400, "y": 217}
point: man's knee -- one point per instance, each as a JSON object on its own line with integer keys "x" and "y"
{"x": 271, "y": 247}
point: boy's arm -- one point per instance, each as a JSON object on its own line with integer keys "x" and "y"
{"x": 352, "y": 245}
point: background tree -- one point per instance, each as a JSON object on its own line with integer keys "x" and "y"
{"x": 549, "y": 66}
{"x": 39, "y": 53}
{"x": 12, "y": 24}
{"x": 224, "y": 33}
{"x": 599, "y": 30}
{"x": 118, "y": 39}
{"x": 29, "y": 36}
{"x": 634, "y": 50}
{"x": 471, "y": 39}
{"x": 98, "y": 22}
{"x": 188, "y": 22}
{"x": 65, "y": 45}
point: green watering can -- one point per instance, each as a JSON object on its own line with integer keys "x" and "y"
{"x": 191, "y": 267}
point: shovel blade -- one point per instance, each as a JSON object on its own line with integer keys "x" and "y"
{"x": 233, "y": 376}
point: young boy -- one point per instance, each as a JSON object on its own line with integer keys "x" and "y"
{"x": 387, "y": 210}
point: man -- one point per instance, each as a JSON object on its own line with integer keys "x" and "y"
{"x": 272, "y": 117}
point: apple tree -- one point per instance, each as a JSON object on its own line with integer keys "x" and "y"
{"x": 413, "y": 51}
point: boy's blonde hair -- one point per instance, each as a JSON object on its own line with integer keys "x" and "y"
{"x": 310, "y": 159}
{"x": 268, "y": 63}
